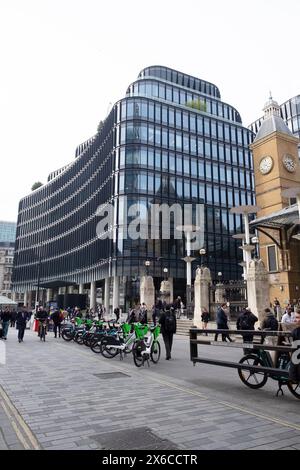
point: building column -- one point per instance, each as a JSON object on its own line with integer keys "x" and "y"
{"x": 70, "y": 289}
{"x": 26, "y": 300}
{"x": 106, "y": 294}
{"x": 201, "y": 293}
{"x": 49, "y": 295}
{"x": 116, "y": 294}
{"x": 258, "y": 288}
{"x": 93, "y": 295}
{"x": 81, "y": 288}
{"x": 147, "y": 294}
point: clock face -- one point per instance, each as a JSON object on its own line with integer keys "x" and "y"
{"x": 266, "y": 165}
{"x": 289, "y": 163}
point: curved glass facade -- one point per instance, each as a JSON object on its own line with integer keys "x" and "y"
{"x": 170, "y": 140}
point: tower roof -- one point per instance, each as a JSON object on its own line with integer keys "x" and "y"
{"x": 272, "y": 121}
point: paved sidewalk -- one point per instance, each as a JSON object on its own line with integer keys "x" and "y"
{"x": 70, "y": 400}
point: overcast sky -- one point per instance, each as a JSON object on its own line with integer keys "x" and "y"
{"x": 65, "y": 62}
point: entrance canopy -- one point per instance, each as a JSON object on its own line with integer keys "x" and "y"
{"x": 278, "y": 219}
{"x": 5, "y": 301}
{"x": 56, "y": 284}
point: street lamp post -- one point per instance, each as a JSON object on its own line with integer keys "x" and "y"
{"x": 202, "y": 252}
{"x": 147, "y": 264}
{"x": 188, "y": 230}
{"x": 245, "y": 211}
{"x": 166, "y": 274}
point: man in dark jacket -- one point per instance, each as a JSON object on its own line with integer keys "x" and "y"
{"x": 5, "y": 317}
{"x": 57, "y": 319}
{"x": 246, "y": 321}
{"x": 21, "y": 319}
{"x": 168, "y": 325}
{"x": 269, "y": 322}
{"x": 222, "y": 323}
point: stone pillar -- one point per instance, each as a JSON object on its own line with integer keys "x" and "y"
{"x": 107, "y": 294}
{"x": 171, "y": 289}
{"x": 26, "y": 301}
{"x": 201, "y": 293}
{"x": 29, "y": 298}
{"x": 70, "y": 289}
{"x": 258, "y": 288}
{"x": 81, "y": 288}
{"x": 165, "y": 291}
{"x": 116, "y": 292}
{"x": 49, "y": 295}
{"x": 220, "y": 293}
{"x": 147, "y": 293}
{"x": 93, "y": 295}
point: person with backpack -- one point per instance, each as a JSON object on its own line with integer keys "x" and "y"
{"x": 246, "y": 321}
{"x": 269, "y": 322}
{"x": 168, "y": 325}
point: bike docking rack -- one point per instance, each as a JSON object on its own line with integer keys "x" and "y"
{"x": 254, "y": 349}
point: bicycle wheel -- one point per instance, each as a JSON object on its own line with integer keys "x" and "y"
{"x": 67, "y": 335}
{"x": 294, "y": 388}
{"x": 137, "y": 349}
{"x": 250, "y": 378}
{"x": 155, "y": 352}
{"x": 96, "y": 347}
{"x": 108, "y": 351}
{"x": 79, "y": 339}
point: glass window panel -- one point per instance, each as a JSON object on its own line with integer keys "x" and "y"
{"x": 200, "y": 147}
{"x": 218, "y": 224}
{"x": 179, "y": 163}
{"x": 157, "y": 183}
{"x": 222, "y": 174}
{"x": 121, "y": 182}
{"x": 157, "y": 112}
{"x": 164, "y": 115}
{"x": 236, "y": 197}
{"x": 150, "y": 182}
{"x": 213, "y": 126}
{"x": 185, "y": 121}
{"x": 209, "y": 194}
{"x": 234, "y": 155}
{"x": 150, "y": 158}
{"x": 201, "y": 169}
{"x": 186, "y": 143}
{"x": 208, "y": 170}
{"x": 179, "y": 187}
{"x": 150, "y": 134}
{"x": 242, "y": 178}
{"x": 239, "y": 136}
{"x": 151, "y": 111}
{"x": 186, "y": 166}
{"x": 123, "y": 110}
{"x": 194, "y": 190}
{"x": 201, "y": 193}
{"x": 178, "y": 141}
{"x": 171, "y": 139}
{"x": 235, "y": 177}
{"x": 122, "y": 157}
{"x": 172, "y": 162}
{"x": 123, "y": 134}
{"x": 178, "y": 119}
{"x": 215, "y": 173}
{"x": 164, "y": 138}
{"x": 228, "y": 153}
{"x": 175, "y": 95}
{"x": 157, "y": 160}
{"x": 155, "y": 89}
{"x": 226, "y": 132}
{"x": 231, "y": 223}
{"x": 157, "y": 135}
{"x": 165, "y": 161}
{"x": 144, "y": 110}
{"x": 207, "y": 149}
{"x": 187, "y": 194}
{"x": 194, "y": 168}
{"x": 233, "y": 134}
{"x": 214, "y": 150}
{"x": 216, "y": 195}
{"x": 224, "y": 222}
{"x": 144, "y": 157}
{"x": 193, "y": 144}
{"x": 243, "y": 198}
{"x": 200, "y": 125}
{"x": 221, "y": 152}
{"x": 192, "y": 123}
{"x": 230, "y": 197}
{"x": 223, "y": 197}
{"x": 169, "y": 93}
{"x": 171, "y": 117}
{"x": 220, "y": 131}
{"x": 161, "y": 91}
{"x": 182, "y": 99}
{"x": 130, "y": 109}
{"x": 272, "y": 261}
{"x": 210, "y": 221}
{"x": 206, "y": 127}
{"x": 213, "y": 108}
{"x": 144, "y": 133}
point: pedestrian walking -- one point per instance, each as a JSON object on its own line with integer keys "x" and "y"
{"x": 117, "y": 314}
{"x": 143, "y": 314}
{"x": 205, "y": 317}
{"x": 21, "y": 320}
{"x": 155, "y": 313}
{"x": 5, "y": 317}
{"x": 13, "y": 316}
{"x": 168, "y": 325}
{"x": 269, "y": 322}
{"x": 222, "y": 322}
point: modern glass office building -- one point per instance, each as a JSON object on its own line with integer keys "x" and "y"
{"x": 290, "y": 113}
{"x": 170, "y": 140}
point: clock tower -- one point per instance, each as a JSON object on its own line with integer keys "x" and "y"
{"x": 276, "y": 168}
